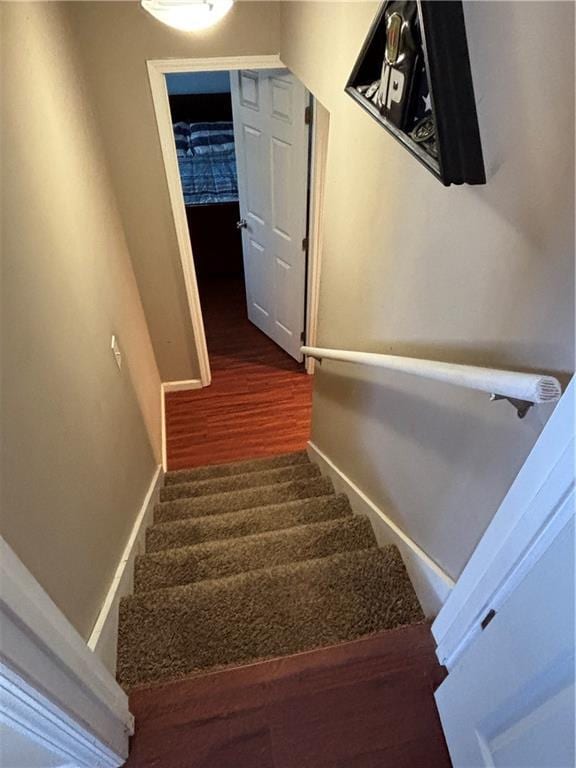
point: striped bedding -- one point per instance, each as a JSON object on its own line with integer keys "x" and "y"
{"x": 207, "y": 162}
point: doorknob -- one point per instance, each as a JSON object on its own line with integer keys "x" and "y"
{"x": 242, "y": 224}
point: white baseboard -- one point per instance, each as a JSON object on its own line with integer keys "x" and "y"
{"x": 431, "y": 583}
{"x": 163, "y": 429}
{"x": 181, "y": 386}
{"x": 103, "y": 639}
{"x": 173, "y": 386}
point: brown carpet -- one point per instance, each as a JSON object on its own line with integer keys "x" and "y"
{"x": 236, "y": 468}
{"x": 245, "y": 522}
{"x": 239, "y": 482}
{"x": 251, "y": 561}
{"x": 233, "y": 501}
{"x": 216, "y": 559}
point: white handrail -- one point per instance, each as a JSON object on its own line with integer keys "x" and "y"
{"x": 527, "y": 387}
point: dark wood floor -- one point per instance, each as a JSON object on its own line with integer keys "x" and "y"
{"x": 260, "y": 399}
{"x": 365, "y": 704}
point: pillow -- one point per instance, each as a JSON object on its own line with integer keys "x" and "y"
{"x": 213, "y": 149}
{"x": 207, "y": 138}
{"x": 182, "y": 129}
{"x": 216, "y": 127}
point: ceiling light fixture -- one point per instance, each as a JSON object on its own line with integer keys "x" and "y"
{"x": 188, "y": 15}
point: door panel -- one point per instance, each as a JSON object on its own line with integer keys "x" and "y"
{"x": 249, "y": 89}
{"x": 272, "y": 154}
{"x": 285, "y": 318}
{"x": 507, "y": 631}
{"x": 257, "y": 263}
{"x": 281, "y": 153}
{"x": 509, "y": 702}
{"x": 281, "y": 99}
{"x": 255, "y": 158}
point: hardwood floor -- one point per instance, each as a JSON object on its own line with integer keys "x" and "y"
{"x": 260, "y": 399}
{"x": 365, "y": 704}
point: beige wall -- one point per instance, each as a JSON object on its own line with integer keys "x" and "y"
{"x": 116, "y": 40}
{"x": 480, "y": 275}
{"x": 80, "y": 439}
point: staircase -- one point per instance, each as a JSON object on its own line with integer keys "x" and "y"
{"x": 253, "y": 560}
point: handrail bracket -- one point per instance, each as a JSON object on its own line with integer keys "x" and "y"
{"x": 522, "y": 406}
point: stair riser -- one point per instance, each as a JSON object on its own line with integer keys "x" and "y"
{"x": 246, "y": 522}
{"x": 239, "y": 482}
{"x": 235, "y": 468}
{"x": 244, "y": 499}
{"x": 246, "y": 554}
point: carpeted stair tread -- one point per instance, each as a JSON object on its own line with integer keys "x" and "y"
{"x": 284, "y": 609}
{"x": 235, "y": 468}
{"x": 227, "y": 557}
{"x": 238, "y": 482}
{"x": 232, "y": 501}
{"x": 246, "y": 522}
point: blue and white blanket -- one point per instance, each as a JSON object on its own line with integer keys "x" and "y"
{"x": 207, "y": 162}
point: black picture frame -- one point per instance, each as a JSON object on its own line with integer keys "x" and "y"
{"x": 445, "y": 50}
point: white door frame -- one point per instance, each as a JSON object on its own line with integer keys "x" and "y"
{"x": 318, "y": 156}
{"x": 157, "y": 69}
{"x": 54, "y": 691}
{"x": 531, "y": 514}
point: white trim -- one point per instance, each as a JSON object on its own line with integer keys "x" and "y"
{"x": 263, "y": 61}
{"x": 156, "y": 71}
{"x": 532, "y": 511}
{"x": 163, "y": 425}
{"x": 165, "y": 133}
{"x": 318, "y": 153}
{"x": 31, "y": 714}
{"x": 181, "y": 386}
{"x": 431, "y": 583}
{"x": 40, "y": 646}
{"x": 172, "y": 386}
{"x": 104, "y": 637}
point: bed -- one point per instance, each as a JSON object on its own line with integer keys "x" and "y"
{"x": 203, "y": 132}
{"x": 207, "y": 162}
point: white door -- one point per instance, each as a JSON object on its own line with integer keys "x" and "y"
{"x": 271, "y": 139}
{"x": 508, "y": 700}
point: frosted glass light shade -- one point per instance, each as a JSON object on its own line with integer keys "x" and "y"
{"x": 188, "y": 15}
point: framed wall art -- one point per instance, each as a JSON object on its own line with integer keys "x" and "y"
{"x": 413, "y": 76}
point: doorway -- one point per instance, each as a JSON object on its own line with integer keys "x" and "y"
{"x": 231, "y": 245}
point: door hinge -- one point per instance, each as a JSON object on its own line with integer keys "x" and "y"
{"x": 488, "y": 618}
{"x": 308, "y": 115}
{"x": 305, "y": 244}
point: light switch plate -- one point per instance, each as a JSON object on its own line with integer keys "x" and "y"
{"x": 116, "y": 351}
